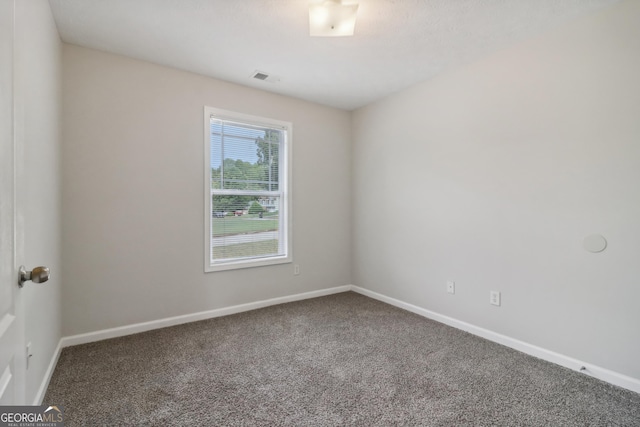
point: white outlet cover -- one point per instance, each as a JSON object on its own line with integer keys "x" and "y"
{"x": 29, "y": 354}
{"x": 451, "y": 287}
{"x": 494, "y": 298}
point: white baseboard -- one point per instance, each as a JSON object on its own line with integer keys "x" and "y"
{"x": 203, "y": 315}
{"x": 603, "y": 374}
{"x": 47, "y": 375}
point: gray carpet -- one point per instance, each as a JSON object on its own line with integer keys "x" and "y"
{"x": 339, "y": 360}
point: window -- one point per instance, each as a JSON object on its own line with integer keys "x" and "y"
{"x": 247, "y": 197}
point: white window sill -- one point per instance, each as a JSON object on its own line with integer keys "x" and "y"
{"x": 247, "y": 263}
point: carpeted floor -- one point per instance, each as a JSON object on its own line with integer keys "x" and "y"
{"x": 340, "y": 360}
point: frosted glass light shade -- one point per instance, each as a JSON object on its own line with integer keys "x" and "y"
{"x": 332, "y": 18}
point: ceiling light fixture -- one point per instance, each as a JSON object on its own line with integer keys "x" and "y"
{"x": 332, "y": 18}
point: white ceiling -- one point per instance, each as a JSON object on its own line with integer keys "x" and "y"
{"x": 397, "y": 42}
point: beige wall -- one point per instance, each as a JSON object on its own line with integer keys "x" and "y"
{"x": 493, "y": 174}
{"x": 133, "y": 226}
{"x": 38, "y": 83}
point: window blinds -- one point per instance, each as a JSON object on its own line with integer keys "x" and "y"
{"x": 247, "y": 202}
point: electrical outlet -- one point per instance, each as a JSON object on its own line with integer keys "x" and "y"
{"x": 29, "y": 354}
{"x": 451, "y": 287}
{"x": 494, "y": 297}
{"x": 296, "y": 269}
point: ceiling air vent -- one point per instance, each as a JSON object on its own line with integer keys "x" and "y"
{"x": 261, "y": 75}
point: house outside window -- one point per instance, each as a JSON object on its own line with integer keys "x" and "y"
{"x": 247, "y": 190}
{"x": 269, "y": 204}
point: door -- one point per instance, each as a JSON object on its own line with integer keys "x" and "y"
{"x": 12, "y": 362}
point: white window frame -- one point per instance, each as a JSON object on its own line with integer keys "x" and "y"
{"x": 284, "y": 185}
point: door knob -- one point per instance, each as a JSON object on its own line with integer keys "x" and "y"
{"x": 37, "y": 275}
